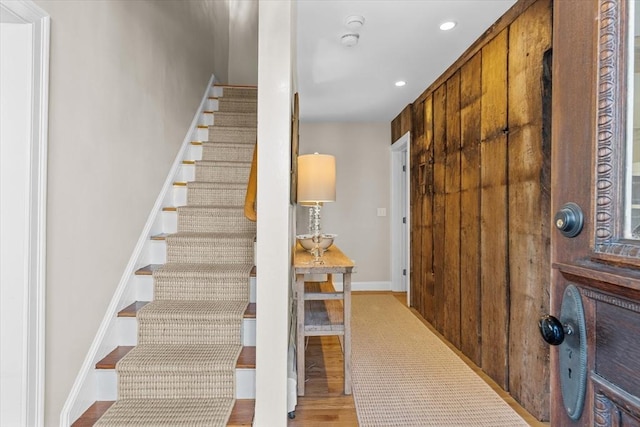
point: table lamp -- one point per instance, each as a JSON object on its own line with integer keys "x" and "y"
{"x": 316, "y": 185}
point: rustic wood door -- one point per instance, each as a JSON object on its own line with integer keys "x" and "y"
{"x": 589, "y": 165}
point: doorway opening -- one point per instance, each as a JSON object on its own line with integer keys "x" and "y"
{"x": 24, "y": 81}
{"x": 400, "y": 231}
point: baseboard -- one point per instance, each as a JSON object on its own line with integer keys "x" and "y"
{"x": 365, "y": 286}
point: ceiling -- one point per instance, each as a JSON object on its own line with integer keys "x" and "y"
{"x": 400, "y": 40}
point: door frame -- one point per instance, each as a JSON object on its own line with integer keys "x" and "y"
{"x": 400, "y": 150}
{"x": 35, "y": 254}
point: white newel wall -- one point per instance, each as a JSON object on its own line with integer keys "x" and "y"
{"x": 274, "y": 240}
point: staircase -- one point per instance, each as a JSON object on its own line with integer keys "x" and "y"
{"x": 194, "y": 320}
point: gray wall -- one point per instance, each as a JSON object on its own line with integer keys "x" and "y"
{"x": 126, "y": 78}
{"x": 243, "y": 42}
{"x": 363, "y": 176}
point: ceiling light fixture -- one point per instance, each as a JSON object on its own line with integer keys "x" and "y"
{"x": 400, "y": 83}
{"x": 354, "y": 22}
{"x": 448, "y": 25}
{"x": 350, "y": 39}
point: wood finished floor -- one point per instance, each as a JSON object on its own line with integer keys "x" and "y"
{"x": 324, "y": 402}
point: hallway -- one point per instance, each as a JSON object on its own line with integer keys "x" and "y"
{"x": 324, "y": 402}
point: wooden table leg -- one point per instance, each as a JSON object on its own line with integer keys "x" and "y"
{"x": 347, "y": 332}
{"x": 300, "y": 332}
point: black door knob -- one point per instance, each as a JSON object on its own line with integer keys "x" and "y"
{"x": 551, "y": 329}
{"x": 569, "y": 220}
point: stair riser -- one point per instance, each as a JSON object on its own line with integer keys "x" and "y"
{"x": 187, "y": 173}
{"x": 201, "y": 134}
{"x": 189, "y": 332}
{"x": 219, "y": 173}
{"x": 128, "y": 330}
{"x": 222, "y": 253}
{"x": 188, "y": 288}
{"x": 144, "y": 289}
{"x": 172, "y": 386}
{"x": 248, "y": 120}
{"x": 214, "y": 224}
{"x": 194, "y": 152}
{"x": 207, "y": 196}
{"x": 223, "y": 134}
{"x": 227, "y": 105}
{"x": 229, "y": 153}
{"x": 107, "y": 381}
{"x": 206, "y": 119}
{"x": 212, "y": 105}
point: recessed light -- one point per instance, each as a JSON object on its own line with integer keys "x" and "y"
{"x": 400, "y": 83}
{"x": 446, "y": 26}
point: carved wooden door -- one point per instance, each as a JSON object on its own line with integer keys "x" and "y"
{"x": 601, "y": 263}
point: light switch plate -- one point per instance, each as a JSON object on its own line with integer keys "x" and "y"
{"x": 382, "y": 211}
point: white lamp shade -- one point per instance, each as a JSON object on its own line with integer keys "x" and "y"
{"x": 316, "y": 178}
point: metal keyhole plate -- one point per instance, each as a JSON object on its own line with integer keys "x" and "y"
{"x": 573, "y": 353}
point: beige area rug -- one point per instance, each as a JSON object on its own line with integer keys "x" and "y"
{"x": 403, "y": 375}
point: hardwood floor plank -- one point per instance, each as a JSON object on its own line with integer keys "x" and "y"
{"x": 250, "y": 312}
{"x": 242, "y": 414}
{"x": 147, "y": 270}
{"x": 132, "y": 309}
{"x": 324, "y": 402}
{"x": 247, "y": 358}
{"x": 91, "y": 415}
{"x": 110, "y": 360}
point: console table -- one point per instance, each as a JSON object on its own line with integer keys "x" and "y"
{"x": 314, "y": 322}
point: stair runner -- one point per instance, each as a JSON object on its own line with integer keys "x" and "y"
{"x": 182, "y": 372}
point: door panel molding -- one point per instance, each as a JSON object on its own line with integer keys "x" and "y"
{"x": 611, "y": 135}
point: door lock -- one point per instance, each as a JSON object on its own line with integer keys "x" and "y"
{"x": 569, "y": 220}
{"x": 569, "y": 334}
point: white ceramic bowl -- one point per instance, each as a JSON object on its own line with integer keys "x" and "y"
{"x": 306, "y": 241}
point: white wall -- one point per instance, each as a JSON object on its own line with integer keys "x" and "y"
{"x": 125, "y": 80}
{"x": 363, "y": 178}
{"x": 243, "y": 42}
{"x": 15, "y": 116}
{"x": 274, "y": 242}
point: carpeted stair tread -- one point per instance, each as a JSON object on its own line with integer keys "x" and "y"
{"x": 222, "y": 171}
{"x": 233, "y": 134}
{"x": 230, "y": 105}
{"x": 214, "y": 219}
{"x": 229, "y": 151}
{"x": 222, "y": 235}
{"x": 191, "y": 322}
{"x": 205, "y": 311}
{"x": 222, "y": 271}
{"x": 240, "y": 92}
{"x": 178, "y": 371}
{"x": 224, "y": 163}
{"x": 158, "y": 358}
{"x": 249, "y": 120}
{"x": 210, "y": 193}
{"x": 180, "y": 281}
{"x": 167, "y": 413}
{"x": 223, "y": 248}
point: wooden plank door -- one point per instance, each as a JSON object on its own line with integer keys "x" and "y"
{"x": 589, "y": 134}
